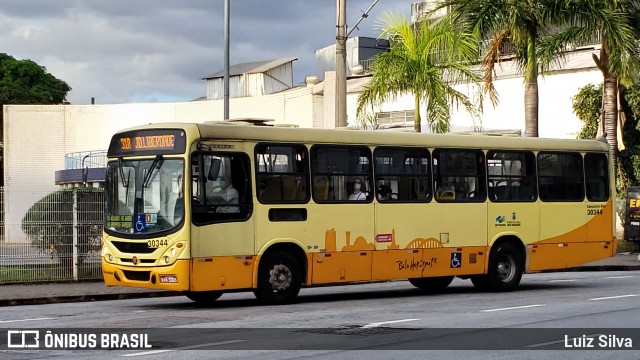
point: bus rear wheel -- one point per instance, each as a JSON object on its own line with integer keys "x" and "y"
{"x": 203, "y": 297}
{"x": 279, "y": 279}
{"x": 505, "y": 270}
{"x": 432, "y": 284}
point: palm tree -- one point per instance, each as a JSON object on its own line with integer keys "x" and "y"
{"x": 503, "y": 22}
{"x": 617, "y": 23}
{"x": 426, "y": 61}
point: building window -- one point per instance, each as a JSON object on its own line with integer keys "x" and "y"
{"x": 395, "y": 118}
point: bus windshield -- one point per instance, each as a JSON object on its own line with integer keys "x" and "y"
{"x": 144, "y": 196}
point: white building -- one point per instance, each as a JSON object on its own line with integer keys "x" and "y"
{"x": 252, "y": 79}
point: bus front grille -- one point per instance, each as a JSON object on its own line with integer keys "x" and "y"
{"x": 133, "y": 247}
{"x": 137, "y": 275}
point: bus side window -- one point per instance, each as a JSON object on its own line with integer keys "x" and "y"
{"x": 282, "y": 173}
{"x": 403, "y": 174}
{"x": 459, "y": 175}
{"x": 227, "y": 194}
{"x": 341, "y": 166}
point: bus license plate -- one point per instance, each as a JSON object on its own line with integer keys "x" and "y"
{"x": 169, "y": 279}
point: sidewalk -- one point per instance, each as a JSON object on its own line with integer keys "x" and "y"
{"x": 47, "y": 293}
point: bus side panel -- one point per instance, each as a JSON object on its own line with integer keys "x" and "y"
{"x": 222, "y": 273}
{"x": 347, "y": 266}
{"x": 443, "y": 232}
{"x": 519, "y": 219}
{"x": 397, "y": 264}
{"x": 572, "y": 234}
{"x": 564, "y": 255}
{"x": 563, "y": 222}
{"x": 600, "y": 221}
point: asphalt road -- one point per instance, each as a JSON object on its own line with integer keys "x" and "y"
{"x": 549, "y": 314}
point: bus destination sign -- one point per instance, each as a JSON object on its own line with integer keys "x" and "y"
{"x": 148, "y": 142}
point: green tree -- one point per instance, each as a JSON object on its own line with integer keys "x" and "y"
{"x": 587, "y": 104}
{"x": 519, "y": 23}
{"x": 49, "y": 224}
{"x": 425, "y": 61}
{"x": 617, "y": 22}
{"x": 25, "y": 82}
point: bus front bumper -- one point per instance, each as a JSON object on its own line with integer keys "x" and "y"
{"x": 172, "y": 277}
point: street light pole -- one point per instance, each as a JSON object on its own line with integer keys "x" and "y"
{"x": 341, "y": 64}
{"x": 226, "y": 59}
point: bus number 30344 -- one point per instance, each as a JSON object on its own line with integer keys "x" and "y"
{"x": 156, "y": 243}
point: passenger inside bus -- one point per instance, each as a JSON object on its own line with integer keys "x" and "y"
{"x": 358, "y": 194}
{"x": 219, "y": 189}
{"x": 222, "y": 195}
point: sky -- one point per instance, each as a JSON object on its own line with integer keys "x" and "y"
{"x": 122, "y": 51}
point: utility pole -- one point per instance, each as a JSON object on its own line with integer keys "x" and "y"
{"x": 341, "y": 63}
{"x": 226, "y": 59}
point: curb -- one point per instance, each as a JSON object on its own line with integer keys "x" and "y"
{"x": 86, "y": 298}
{"x": 601, "y": 268}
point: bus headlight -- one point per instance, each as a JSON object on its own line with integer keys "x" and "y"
{"x": 172, "y": 253}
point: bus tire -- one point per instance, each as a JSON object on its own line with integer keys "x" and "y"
{"x": 279, "y": 279}
{"x": 432, "y": 284}
{"x": 203, "y": 297}
{"x": 505, "y": 270}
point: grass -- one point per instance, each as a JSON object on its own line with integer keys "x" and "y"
{"x": 47, "y": 273}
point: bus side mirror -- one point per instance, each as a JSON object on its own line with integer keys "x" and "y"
{"x": 214, "y": 169}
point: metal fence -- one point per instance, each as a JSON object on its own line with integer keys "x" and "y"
{"x": 63, "y": 232}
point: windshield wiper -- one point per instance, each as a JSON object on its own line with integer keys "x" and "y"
{"x": 125, "y": 184}
{"x": 156, "y": 162}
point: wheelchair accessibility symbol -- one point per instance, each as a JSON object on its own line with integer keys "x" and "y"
{"x": 456, "y": 260}
{"x": 140, "y": 223}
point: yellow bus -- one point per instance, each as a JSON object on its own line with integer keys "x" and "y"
{"x": 220, "y": 207}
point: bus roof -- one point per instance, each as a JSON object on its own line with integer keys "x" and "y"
{"x": 243, "y": 131}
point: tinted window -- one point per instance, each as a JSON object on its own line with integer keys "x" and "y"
{"x": 341, "y": 173}
{"x": 596, "y": 169}
{"x": 282, "y": 173}
{"x": 459, "y": 175}
{"x": 511, "y": 175}
{"x": 402, "y": 175}
{"x": 221, "y": 187}
{"x": 560, "y": 176}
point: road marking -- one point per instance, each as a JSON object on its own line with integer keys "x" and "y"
{"x": 558, "y": 341}
{"x": 614, "y": 297}
{"x": 372, "y": 325}
{"x": 183, "y": 348}
{"x": 620, "y": 277}
{"x": 513, "y": 308}
{"x": 563, "y": 280}
{"x": 35, "y": 319}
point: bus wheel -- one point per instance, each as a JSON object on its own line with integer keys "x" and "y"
{"x": 505, "y": 270}
{"x": 279, "y": 279}
{"x": 432, "y": 284}
{"x": 203, "y": 297}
